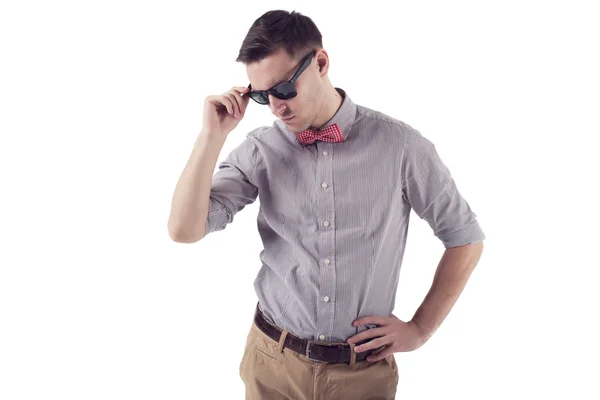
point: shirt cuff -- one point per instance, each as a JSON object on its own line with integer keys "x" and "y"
{"x": 469, "y": 234}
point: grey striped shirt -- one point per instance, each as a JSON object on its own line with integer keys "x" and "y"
{"x": 333, "y": 217}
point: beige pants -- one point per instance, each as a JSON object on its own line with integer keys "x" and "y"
{"x": 271, "y": 372}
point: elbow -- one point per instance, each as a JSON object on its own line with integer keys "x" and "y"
{"x": 179, "y": 238}
{"x": 182, "y": 236}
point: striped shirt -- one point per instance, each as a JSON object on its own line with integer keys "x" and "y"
{"x": 333, "y": 217}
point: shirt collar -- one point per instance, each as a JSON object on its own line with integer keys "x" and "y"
{"x": 344, "y": 116}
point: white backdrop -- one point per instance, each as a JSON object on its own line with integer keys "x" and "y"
{"x": 100, "y": 105}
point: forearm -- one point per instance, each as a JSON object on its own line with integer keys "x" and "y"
{"x": 189, "y": 207}
{"x": 450, "y": 278}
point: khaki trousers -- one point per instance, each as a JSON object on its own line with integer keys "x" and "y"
{"x": 271, "y": 372}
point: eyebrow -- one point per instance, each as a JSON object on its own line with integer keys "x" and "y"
{"x": 273, "y": 84}
{"x": 281, "y": 80}
{"x": 290, "y": 73}
{"x": 278, "y": 82}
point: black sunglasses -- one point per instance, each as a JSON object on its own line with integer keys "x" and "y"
{"x": 283, "y": 91}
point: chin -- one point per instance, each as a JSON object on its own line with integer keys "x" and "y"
{"x": 300, "y": 128}
{"x": 294, "y": 125}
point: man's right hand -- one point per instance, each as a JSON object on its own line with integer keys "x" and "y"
{"x": 222, "y": 113}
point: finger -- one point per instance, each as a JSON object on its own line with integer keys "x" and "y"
{"x": 234, "y": 103}
{"x": 245, "y": 97}
{"x": 373, "y": 319}
{"x": 381, "y": 355}
{"x": 239, "y": 101}
{"x": 227, "y": 103}
{"x": 367, "y": 334}
{"x": 220, "y": 101}
{"x": 241, "y": 89}
{"x": 216, "y": 101}
{"x": 373, "y": 344}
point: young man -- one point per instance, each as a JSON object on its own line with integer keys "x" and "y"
{"x": 336, "y": 182}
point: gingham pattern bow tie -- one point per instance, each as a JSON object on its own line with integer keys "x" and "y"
{"x": 331, "y": 134}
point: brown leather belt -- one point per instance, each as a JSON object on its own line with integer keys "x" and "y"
{"x": 315, "y": 351}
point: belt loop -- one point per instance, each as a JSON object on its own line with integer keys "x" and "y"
{"x": 282, "y": 340}
{"x": 352, "y": 354}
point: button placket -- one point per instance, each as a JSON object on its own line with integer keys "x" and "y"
{"x": 326, "y": 214}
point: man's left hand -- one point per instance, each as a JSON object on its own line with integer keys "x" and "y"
{"x": 396, "y": 335}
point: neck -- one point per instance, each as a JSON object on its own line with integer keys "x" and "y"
{"x": 331, "y": 103}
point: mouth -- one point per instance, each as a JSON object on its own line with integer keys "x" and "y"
{"x": 288, "y": 119}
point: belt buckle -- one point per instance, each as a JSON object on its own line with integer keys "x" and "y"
{"x": 308, "y": 344}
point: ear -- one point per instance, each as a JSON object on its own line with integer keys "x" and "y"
{"x": 323, "y": 63}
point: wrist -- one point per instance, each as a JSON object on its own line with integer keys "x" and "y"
{"x": 211, "y": 136}
{"x": 421, "y": 330}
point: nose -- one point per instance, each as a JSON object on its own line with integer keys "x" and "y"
{"x": 277, "y": 105}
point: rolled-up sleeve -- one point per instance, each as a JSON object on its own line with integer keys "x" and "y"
{"x": 233, "y": 186}
{"x": 431, "y": 192}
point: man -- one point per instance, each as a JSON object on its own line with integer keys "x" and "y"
{"x": 336, "y": 182}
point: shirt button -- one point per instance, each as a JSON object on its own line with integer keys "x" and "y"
{"x": 326, "y": 261}
{"x": 326, "y": 223}
{"x": 326, "y": 299}
{"x": 325, "y": 153}
{"x": 324, "y": 185}
{"x": 322, "y": 337}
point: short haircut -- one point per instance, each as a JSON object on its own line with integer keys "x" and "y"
{"x": 279, "y": 29}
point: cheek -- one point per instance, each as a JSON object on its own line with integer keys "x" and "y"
{"x": 307, "y": 106}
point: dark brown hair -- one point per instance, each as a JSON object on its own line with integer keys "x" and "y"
{"x": 277, "y": 29}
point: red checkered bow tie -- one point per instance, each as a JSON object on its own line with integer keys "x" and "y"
{"x": 331, "y": 134}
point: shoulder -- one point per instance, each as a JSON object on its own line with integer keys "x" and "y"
{"x": 255, "y": 138}
{"x": 386, "y": 123}
{"x": 264, "y": 143}
{"x": 258, "y": 134}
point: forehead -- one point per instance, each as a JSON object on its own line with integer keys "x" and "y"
{"x": 270, "y": 70}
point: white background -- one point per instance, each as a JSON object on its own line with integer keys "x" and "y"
{"x": 100, "y": 105}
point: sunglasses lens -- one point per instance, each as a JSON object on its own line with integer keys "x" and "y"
{"x": 260, "y": 98}
{"x": 284, "y": 91}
